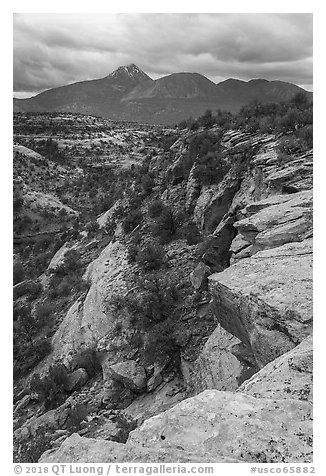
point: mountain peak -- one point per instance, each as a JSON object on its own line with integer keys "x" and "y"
{"x": 130, "y": 71}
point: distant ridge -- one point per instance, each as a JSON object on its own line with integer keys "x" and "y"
{"x": 130, "y": 94}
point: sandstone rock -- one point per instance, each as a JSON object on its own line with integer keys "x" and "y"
{"x": 296, "y": 174}
{"x": 289, "y": 376}
{"x": 266, "y": 300}
{"x": 233, "y": 425}
{"x": 116, "y": 395}
{"x": 216, "y": 367}
{"x": 76, "y": 380}
{"x": 109, "y": 214}
{"x": 152, "y": 403}
{"x": 77, "y": 449}
{"x": 49, "y": 421}
{"x": 199, "y": 276}
{"x": 58, "y": 258}
{"x": 288, "y": 219}
{"x": 239, "y": 244}
{"x": 129, "y": 373}
{"x": 193, "y": 190}
{"x": 154, "y": 382}
{"x": 214, "y": 201}
{"x": 86, "y": 322}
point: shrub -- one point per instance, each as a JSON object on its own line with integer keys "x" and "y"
{"x": 133, "y": 251}
{"x": 155, "y": 208}
{"x": 147, "y": 184}
{"x": 191, "y": 233}
{"x": 210, "y": 169}
{"x": 42, "y": 348}
{"x": 34, "y": 290}
{"x": 164, "y": 226}
{"x": 43, "y": 313}
{"x": 51, "y": 388}
{"x": 133, "y": 219}
{"x": 160, "y": 343}
{"x": 87, "y": 359}
{"x": 151, "y": 256}
{"x": 92, "y": 226}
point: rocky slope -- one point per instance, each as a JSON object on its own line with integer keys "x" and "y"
{"x": 267, "y": 420}
{"x": 236, "y": 386}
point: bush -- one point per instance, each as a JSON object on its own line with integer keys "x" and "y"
{"x": 93, "y": 226}
{"x": 160, "y": 343}
{"x": 51, "y": 388}
{"x": 191, "y": 233}
{"x": 151, "y": 256}
{"x": 88, "y": 360}
{"x": 164, "y": 226}
{"x": 44, "y": 312}
{"x": 147, "y": 184}
{"x": 133, "y": 219}
{"x": 210, "y": 169}
{"x": 42, "y": 348}
{"x": 133, "y": 251}
{"x": 155, "y": 208}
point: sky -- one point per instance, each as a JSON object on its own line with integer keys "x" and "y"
{"x": 52, "y": 50}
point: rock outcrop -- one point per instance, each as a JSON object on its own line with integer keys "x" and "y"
{"x": 129, "y": 373}
{"x": 289, "y": 376}
{"x": 88, "y": 320}
{"x": 216, "y": 426}
{"x": 266, "y": 300}
{"x": 88, "y": 450}
{"x": 76, "y": 380}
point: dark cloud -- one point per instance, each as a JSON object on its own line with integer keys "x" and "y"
{"x": 56, "y": 49}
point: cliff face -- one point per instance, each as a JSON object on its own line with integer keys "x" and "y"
{"x": 263, "y": 300}
{"x": 236, "y": 383}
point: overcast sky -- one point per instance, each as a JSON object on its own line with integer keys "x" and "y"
{"x": 52, "y": 50}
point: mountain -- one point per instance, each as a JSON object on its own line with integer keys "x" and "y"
{"x": 96, "y": 96}
{"x": 130, "y": 94}
{"x": 176, "y": 85}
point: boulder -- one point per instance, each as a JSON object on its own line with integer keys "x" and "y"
{"x": 76, "y": 380}
{"x": 116, "y": 395}
{"x": 217, "y": 367}
{"x": 153, "y": 403}
{"x": 154, "y": 382}
{"x": 233, "y": 425}
{"x": 129, "y": 373}
{"x": 49, "y": 421}
{"x": 77, "y": 449}
{"x": 266, "y": 300}
{"x": 288, "y": 376}
{"x": 199, "y": 276}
